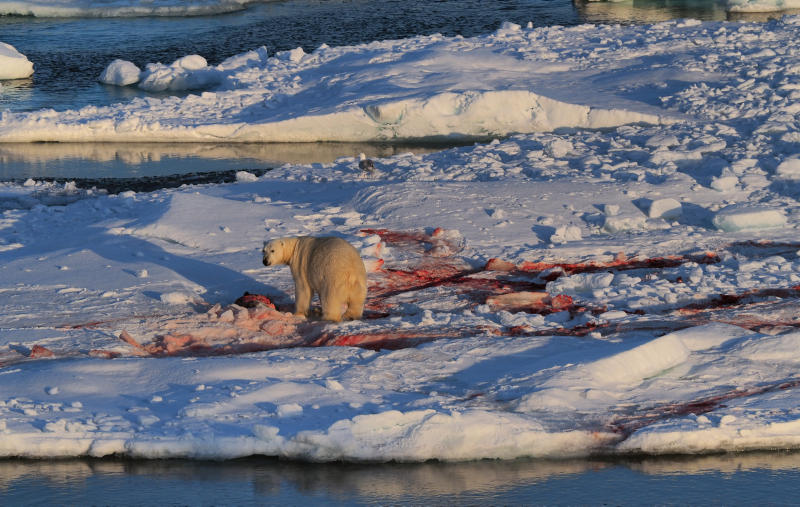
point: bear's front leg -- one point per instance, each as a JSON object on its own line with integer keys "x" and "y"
{"x": 302, "y": 298}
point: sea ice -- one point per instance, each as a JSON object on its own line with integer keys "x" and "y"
{"x": 120, "y": 73}
{"x": 740, "y": 217}
{"x": 13, "y": 64}
{"x": 667, "y": 208}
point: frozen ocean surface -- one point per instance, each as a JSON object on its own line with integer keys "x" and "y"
{"x": 609, "y": 280}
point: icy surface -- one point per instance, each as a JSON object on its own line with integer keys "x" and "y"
{"x": 420, "y": 88}
{"x": 119, "y": 8}
{"x": 13, "y": 64}
{"x": 549, "y": 294}
{"x": 761, "y": 5}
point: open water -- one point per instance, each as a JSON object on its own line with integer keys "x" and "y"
{"x": 729, "y": 479}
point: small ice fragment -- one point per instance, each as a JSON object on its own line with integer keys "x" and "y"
{"x": 566, "y": 233}
{"x": 289, "y": 410}
{"x": 245, "y": 177}
{"x": 190, "y": 62}
{"x": 740, "y": 217}
{"x": 120, "y": 73}
{"x": 610, "y": 210}
{"x": 142, "y": 273}
{"x": 724, "y": 183}
{"x": 51, "y": 390}
{"x": 13, "y": 64}
{"x": 156, "y": 399}
{"x": 668, "y": 209}
{"x": 789, "y": 169}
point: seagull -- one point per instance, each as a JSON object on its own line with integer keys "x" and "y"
{"x": 365, "y": 164}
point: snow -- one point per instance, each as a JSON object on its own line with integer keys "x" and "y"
{"x": 13, "y": 64}
{"x": 761, "y": 5}
{"x": 550, "y": 293}
{"x": 737, "y": 217}
{"x": 120, "y": 73}
{"x": 421, "y": 88}
{"x": 119, "y": 8}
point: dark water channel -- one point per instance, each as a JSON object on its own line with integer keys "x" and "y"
{"x": 729, "y": 479}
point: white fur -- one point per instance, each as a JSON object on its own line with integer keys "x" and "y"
{"x": 327, "y": 266}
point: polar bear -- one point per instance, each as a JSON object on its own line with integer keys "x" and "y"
{"x": 328, "y": 266}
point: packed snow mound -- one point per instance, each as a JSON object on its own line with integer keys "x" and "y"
{"x": 187, "y": 73}
{"x": 419, "y": 88}
{"x": 119, "y": 8}
{"x": 13, "y": 64}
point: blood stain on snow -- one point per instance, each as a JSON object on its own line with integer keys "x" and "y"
{"x": 37, "y": 352}
{"x": 627, "y": 424}
{"x": 253, "y": 324}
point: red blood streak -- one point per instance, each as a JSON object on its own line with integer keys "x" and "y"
{"x": 38, "y": 351}
{"x": 621, "y": 263}
{"x": 628, "y": 424}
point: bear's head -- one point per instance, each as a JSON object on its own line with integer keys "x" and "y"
{"x": 274, "y": 252}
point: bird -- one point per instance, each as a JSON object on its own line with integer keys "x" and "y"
{"x": 365, "y": 164}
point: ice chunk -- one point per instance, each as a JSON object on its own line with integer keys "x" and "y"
{"x": 13, "y": 64}
{"x": 725, "y": 183}
{"x": 187, "y": 73}
{"x": 619, "y": 223}
{"x": 245, "y": 177}
{"x": 120, "y": 73}
{"x": 289, "y": 410}
{"x": 789, "y": 169}
{"x": 610, "y": 210}
{"x": 668, "y": 209}
{"x": 190, "y": 62}
{"x": 294, "y": 55}
{"x": 566, "y": 233}
{"x": 739, "y": 217}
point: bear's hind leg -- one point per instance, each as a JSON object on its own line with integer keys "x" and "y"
{"x": 302, "y": 299}
{"x": 355, "y": 307}
{"x": 332, "y": 306}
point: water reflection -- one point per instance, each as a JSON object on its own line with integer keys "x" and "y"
{"x": 266, "y": 480}
{"x": 655, "y": 11}
{"x": 132, "y": 160}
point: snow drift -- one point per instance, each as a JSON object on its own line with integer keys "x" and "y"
{"x": 422, "y": 88}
